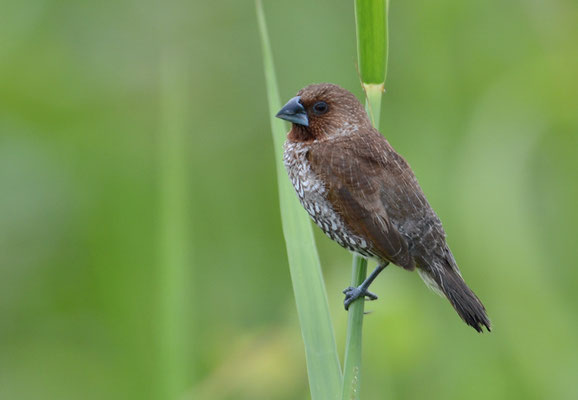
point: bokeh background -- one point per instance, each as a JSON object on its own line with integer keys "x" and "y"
{"x": 141, "y": 252}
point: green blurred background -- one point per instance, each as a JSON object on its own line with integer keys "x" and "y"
{"x": 136, "y": 164}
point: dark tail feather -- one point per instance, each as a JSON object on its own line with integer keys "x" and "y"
{"x": 465, "y": 302}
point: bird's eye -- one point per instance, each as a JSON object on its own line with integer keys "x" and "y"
{"x": 320, "y": 107}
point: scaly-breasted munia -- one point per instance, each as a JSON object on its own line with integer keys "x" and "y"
{"x": 364, "y": 195}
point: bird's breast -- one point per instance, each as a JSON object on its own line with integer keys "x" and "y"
{"x": 312, "y": 193}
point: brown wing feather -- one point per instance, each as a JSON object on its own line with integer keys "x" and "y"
{"x": 356, "y": 179}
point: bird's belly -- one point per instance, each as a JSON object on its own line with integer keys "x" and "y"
{"x": 312, "y": 194}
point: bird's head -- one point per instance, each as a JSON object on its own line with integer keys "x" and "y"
{"x": 323, "y": 111}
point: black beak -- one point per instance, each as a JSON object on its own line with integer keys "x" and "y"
{"x": 294, "y": 112}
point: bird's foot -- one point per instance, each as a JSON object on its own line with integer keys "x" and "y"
{"x": 354, "y": 293}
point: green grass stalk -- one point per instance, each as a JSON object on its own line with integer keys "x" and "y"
{"x": 323, "y": 366}
{"x": 174, "y": 240}
{"x": 352, "y": 361}
{"x": 372, "y": 51}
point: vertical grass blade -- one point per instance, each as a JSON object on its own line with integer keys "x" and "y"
{"x": 174, "y": 240}
{"x": 372, "y": 49}
{"x": 352, "y": 360}
{"x": 323, "y": 366}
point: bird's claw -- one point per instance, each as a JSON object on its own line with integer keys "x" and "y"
{"x": 354, "y": 293}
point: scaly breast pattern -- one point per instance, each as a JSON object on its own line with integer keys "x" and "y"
{"x": 312, "y": 194}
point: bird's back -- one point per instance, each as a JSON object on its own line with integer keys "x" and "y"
{"x": 384, "y": 187}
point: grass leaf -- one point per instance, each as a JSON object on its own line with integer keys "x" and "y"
{"x": 372, "y": 40}
{"x": 309, "y": 288}
{"x": 174, "y": 230}
{"x": 371, "y": 25}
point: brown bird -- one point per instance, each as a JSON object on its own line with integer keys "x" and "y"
{"x": 364, "y": 195}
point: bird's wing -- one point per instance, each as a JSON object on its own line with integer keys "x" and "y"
{"x": 358, "y": 174}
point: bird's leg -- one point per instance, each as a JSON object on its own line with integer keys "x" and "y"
{"x": 354, "y": 293}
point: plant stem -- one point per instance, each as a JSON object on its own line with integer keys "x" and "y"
{"x": 174, "y": 240}
{"x": 372, "y": 50}
{"x": 372, "y": 39}
{"x": 323, "y": 367}
{"x": 352, "y": 362}
{"x": 373, "y": 92}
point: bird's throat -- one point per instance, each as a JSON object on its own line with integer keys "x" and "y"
{"x": 300, "y": 133}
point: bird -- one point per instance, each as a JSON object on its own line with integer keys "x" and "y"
{"x": 365, "y": 196}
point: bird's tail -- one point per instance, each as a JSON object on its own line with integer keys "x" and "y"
{"x": 450, "y": 283}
